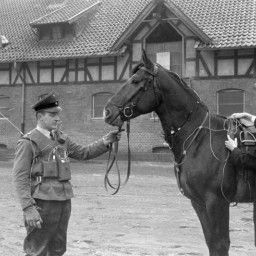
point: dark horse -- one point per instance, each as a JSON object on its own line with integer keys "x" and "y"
{"x": 196, "y": 137}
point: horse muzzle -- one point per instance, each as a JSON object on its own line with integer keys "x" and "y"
{"x": 112, "y": 118}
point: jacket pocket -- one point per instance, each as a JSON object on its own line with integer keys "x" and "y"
{"x": 37, "y": 169}
{"x": 50, "y": 169}
{"x": 64, "y": 169}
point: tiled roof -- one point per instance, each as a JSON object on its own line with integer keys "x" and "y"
{"x": 66, "y": 12}
{"x": 110, "y": 21}
{"x": 229, "y": 23}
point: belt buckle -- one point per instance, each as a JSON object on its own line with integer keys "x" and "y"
{"x": 39, "y": 179}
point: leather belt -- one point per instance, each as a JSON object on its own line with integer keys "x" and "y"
{"x": 41, "y": 179}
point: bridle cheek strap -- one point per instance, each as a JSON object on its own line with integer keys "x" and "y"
{"x": 127, "y": 110}
{"x": 153, "y": 73}
{"x": 122, "y": 110}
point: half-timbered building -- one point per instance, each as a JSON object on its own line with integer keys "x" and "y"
{"x": 84, "y": 50}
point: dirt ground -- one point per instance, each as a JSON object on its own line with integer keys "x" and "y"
{"x": 148, "y": 217}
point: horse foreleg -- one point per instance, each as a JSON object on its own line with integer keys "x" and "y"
{"x": 214, "y": 218}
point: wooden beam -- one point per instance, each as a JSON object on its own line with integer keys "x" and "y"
{"x": 204, "y": 65}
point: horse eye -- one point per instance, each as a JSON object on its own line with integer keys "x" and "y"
{"x": 135, "y": 81}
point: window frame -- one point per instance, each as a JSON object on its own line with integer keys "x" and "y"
{"x": 4, "y": 109}
{"x": 164, "y": 47}
{"x": 93, "y": 104}
{"x": 56, "y": 32}
{"x": 226, "y": 90}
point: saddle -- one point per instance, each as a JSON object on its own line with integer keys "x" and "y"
{"x": 248, "y": 133}
{"x": 245, "y": 132}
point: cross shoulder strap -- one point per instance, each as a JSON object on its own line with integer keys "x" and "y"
{"x": 36, "y": 151}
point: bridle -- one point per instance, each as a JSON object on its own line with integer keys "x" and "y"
{"x": 126, "y": 111}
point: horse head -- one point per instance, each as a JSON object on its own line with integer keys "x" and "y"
{"x": 152, "y": 88}
{"x": 139, "y": 95}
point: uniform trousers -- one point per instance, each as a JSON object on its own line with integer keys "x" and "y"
{"x": 51, "y": 239}
{"x": 245, "y": 157}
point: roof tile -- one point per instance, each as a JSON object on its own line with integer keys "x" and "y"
{"x": 229, "y": 23}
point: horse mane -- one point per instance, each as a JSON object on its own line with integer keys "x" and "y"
{"x": 183, "y": 83}
{"x": 177, "y": 78}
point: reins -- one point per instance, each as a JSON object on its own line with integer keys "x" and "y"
{"x": 127, "y": 112}
{"x": 182, "y": 159}
{"x": 114, "y": 149}
{"x": 195, "y": 133}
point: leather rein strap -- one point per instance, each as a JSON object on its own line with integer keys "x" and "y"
{"x": 114, "y": 149}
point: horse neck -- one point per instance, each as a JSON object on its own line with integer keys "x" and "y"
{"x": 180, "y": 113}
{"x": 179, "y": 103}
{"x": 178, "y": 126}
{"x": 210, "y": 123}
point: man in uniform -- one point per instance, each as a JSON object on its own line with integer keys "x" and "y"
{"x": 41, "y": 175}
{"x": 242, "y": 156}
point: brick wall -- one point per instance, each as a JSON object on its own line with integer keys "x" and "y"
{"x": 207, "y": 90}
{"x": 76, "y": 101}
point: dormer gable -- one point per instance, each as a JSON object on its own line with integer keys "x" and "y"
{"x": 67, "y": 21}
{"x": 163, "y": 12}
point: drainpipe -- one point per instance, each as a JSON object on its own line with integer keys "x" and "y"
{"x": 22, "y": 126}
{"x": 23, "y": 102}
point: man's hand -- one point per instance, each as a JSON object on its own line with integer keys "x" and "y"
{"x": 231, "y": 144}
{"x": 111, "y": 137}
{"x": 32, "y": 217}
{"x": 244, "y": 115}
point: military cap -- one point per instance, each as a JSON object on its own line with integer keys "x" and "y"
{"x": 48, "y": 103}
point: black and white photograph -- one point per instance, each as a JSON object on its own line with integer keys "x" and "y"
{"x": 128, "y": 127}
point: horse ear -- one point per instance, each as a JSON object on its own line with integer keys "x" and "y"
{"x": 146, "y": 61}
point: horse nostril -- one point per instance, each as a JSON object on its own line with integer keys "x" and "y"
{"x": 107, "y": 113}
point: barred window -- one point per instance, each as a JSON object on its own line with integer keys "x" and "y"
{"x": 56, "y": 32}
{"x": 230, "y": 101}
{"x": 165, "y": 48}
{"x": 4, "y": 106}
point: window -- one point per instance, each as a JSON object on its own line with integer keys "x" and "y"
{"x": 170, "y": 61}
{"x": 56, "y": 32}
{"x": 164, "y": 58}
{"x": 99, "y": 101}
{"x": 165, "y": 48}
{"x": 44, "y": 34}
{"x": 230, "y": 101}
{"x": 169, "y": 58}
{"x": 4, "y": 106}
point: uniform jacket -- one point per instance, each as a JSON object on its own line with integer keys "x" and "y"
{"x": 37, "y": 144}
{"x": 245, "y": 157}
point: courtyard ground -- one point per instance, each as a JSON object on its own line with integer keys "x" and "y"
{"x": 148, "y": 216}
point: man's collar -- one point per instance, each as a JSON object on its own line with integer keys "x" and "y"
{"x": 43, "y": 131}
